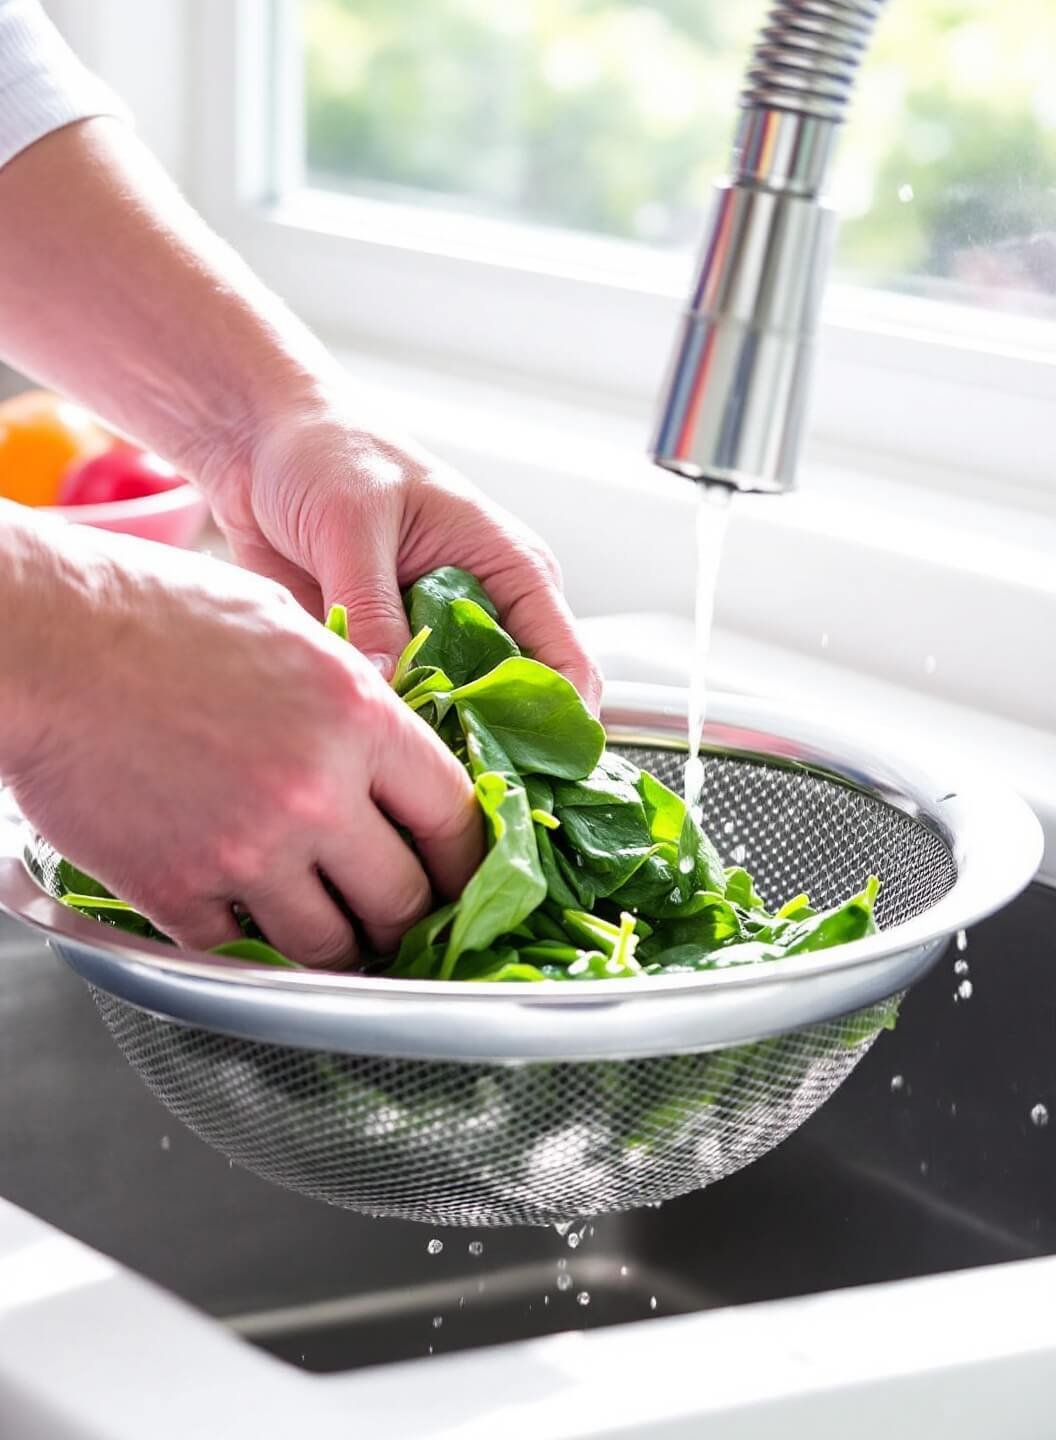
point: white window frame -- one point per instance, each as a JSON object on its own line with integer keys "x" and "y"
{"x": 916, "y": 386}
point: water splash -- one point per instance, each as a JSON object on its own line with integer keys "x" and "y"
{"x": 435, "y": 1246}
{"x": 583, "y": 1298}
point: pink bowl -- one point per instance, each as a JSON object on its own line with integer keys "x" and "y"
{"x": 173, "y": 517}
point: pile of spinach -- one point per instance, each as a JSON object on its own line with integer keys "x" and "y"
{"x": 594, "y": 869}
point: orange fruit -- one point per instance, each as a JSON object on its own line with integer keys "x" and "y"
{"x": 41, "y": 434}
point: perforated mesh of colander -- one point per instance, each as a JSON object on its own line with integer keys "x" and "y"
{"x": 488, "y": 1144}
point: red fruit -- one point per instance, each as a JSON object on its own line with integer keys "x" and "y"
{"x": 121, "y": 473}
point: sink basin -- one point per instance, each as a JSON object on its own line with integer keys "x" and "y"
{"x": 933, "y": 1156}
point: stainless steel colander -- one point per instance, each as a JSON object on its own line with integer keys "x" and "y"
{"x": 527, "y": 1104}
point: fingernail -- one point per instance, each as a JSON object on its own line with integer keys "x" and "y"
{"x": 384, "y": 664}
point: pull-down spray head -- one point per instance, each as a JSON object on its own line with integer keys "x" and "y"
{"x": 733, "y": 404}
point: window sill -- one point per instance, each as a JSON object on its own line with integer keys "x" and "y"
{"x": 906, "y": 583}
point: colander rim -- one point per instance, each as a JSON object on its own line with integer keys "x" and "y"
{"x": 994, "y": 838}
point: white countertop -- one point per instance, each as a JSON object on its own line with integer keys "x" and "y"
{"x": 89, "y": 1350}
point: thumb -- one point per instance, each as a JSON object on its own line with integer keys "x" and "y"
{"x": 377, "y": 624}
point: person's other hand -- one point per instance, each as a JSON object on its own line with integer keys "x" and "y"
{"x": 341, "y": 516}
{"x": 196, "y": 741}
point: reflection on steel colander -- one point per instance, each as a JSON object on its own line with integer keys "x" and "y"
{"x": 533, "y": 1143}
{"x": 481, "y": 1144}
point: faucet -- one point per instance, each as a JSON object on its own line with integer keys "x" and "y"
{"x": 733, "y": 404}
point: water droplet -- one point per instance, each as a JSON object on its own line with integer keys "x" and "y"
{"x": 924, "y": 1167}
{"x": 166, "y": 1143}
{"x": 964, "y": 990}
{"x": 546, "y": 1299}
{"x": 728, "y": 828}
{"x": 1040, "y": 1116}
{"x": 461, "y": 1302}
{"x": 563, "y": 1226}
{"x": 435, "y": 1246}
{"x": 930, "y": 664}
{"x": 476, "y": 1247}
{"x": 960, "y": 967}
{"x": 905, "y": 193}
{"x": 737, "y": 854}
{"x": 685, "y": 865}
{"x": 824, "y": 639}
{"x": 953, "y": 1107}
{"x": 573, "y": 1239}
{"x": 562, "y": 1264}
{"x": 430, "y": 1349}
{"x": 962, "y": 940}
{"x": 438, "y": 1320}
{"x": 564, "y": 1281}
{"x": 652, "y": 1302}
{"x": 480, "y": 1287}
{"x": 624, "y": 1271}
{"x": 583, "y": 1298}
{"x": 898, "y": 1082}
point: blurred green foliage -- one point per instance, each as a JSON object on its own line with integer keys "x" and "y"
{"x": 613, "y": 116}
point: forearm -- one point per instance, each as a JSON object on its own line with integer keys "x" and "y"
{"x": 39, "y": 576}
{"x": 115, "y": 292}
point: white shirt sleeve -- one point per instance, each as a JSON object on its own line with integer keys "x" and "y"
{"x": 42, "y": 83}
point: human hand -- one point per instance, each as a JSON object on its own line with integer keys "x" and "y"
{"x": 194, "y": 739}
{"x": 340, "y": 515}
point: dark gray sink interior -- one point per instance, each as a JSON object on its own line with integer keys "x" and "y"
{"x": 938, "y": 1169}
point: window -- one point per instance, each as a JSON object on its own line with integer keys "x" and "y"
{"x": 613, "y": 117}
{"x": 515, "y": 187}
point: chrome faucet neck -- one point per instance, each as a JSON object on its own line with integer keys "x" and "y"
{"x": 735, "y": 398}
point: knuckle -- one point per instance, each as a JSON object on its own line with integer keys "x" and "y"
{"x": 549, "y": 562}
{"x": 373, "y": 608}
{"x": 327, "y": 947}
{"x": 406, "y": 903}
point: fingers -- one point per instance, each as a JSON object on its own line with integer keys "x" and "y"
{"x": 362, "y": 577}
{"x": 380, "y": 879}
{"x": 202, "y": 926}
{"x": 419, "y": 784}
{"x": 304, "y": 923}
{"x": 537, "y": 615}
